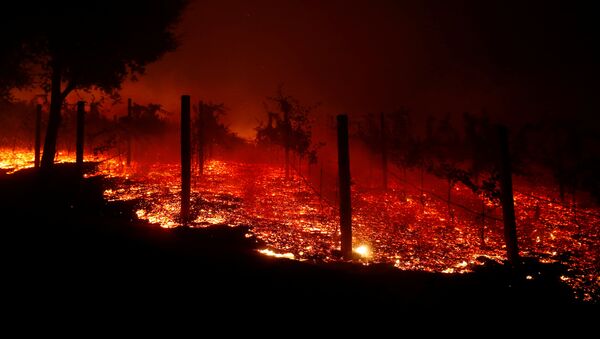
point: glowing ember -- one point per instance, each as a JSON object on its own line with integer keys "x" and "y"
{"x": 362, "y": 250}
{"x": 17, "y": 159}
{"x": 277, "y": 255}
{"x": 403, "y": 227}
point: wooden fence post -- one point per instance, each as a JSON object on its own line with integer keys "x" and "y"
{"x": 508, "y": 206}
{"x": 129, "y": 124}
{"x": 186, "y": 159}
{"x": 344, "y": 184}
{"x": 80, "y": 134}
{"x": 38, "y": 135}
{"x": 384, "y": 155}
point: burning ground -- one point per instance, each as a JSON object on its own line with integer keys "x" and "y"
{"x": 396, "y": 227}
{"x": 402, "y": 228}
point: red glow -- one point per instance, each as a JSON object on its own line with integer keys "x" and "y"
{"x": 394, "y": 227}
{"x": 397, "y": 227}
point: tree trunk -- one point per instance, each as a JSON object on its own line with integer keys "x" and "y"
{"x": 56, "y": 100}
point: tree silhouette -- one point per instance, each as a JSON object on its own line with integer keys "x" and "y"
{"x": 100, "y": 132}
{"x": 208, "y": 129}
{"x": 289, "y": 126}
{"x": 13, "y": 60}
{"x": 368, "y": 130}
{"x": 89, "y": 45}
{"x": 147, "y": 124}
{"x": 12, "y": 75}
{"x": 401, "y": 135}
{"x": 16, "y": 125}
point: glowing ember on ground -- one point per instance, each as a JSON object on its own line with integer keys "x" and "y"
{"x": 18, "y": 159}
{"x": 287, "y": 216}
{"x": 362, "y": 250}
{"x": 277, "y": 255}
{"x": 402, "y": 227}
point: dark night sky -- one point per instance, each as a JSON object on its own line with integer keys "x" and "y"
{"x": 368, "y": 56}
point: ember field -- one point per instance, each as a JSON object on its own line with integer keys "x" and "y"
{"x": 400, "y": 227}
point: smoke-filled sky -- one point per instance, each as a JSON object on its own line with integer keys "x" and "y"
{"x": 512, "y": 59}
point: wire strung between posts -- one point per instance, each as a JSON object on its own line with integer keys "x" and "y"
{"x": 315, "y": 191}
{"x": 475, "y": 213}
{"x": 578, "y": 211}
{"x": 479, "y": 214}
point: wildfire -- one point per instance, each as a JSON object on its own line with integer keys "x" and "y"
{"x": 362, "y": 250}
{"x": 277, "y": 255}
{"x": 402, "y": 227}
{"x": 18, "y": 159}
{"x": 407, "y": 232}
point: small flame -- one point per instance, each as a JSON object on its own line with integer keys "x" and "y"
{"x": 270, "y": 253}
{"x": 362, "y": 250}
{"x": 412, "y": 230}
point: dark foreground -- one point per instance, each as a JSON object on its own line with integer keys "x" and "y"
{"x": 67, "y": 246}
